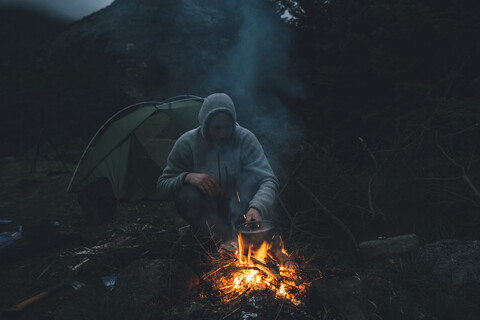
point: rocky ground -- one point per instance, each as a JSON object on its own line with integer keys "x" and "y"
{"x": 47, "y": 253}
{"x": 147, "y": 237}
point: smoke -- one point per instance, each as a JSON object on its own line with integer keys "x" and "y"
{"x": 66, "y": 9}
{"x": 256, "y": 73}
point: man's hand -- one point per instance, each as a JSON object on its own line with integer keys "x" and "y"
{"x": 204, "y": 183}
{"x": 253, "y": 215}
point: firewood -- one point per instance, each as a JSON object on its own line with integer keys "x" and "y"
{"x": 339, "y": 223}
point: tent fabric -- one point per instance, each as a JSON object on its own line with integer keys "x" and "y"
{"x": 132, "y": 147}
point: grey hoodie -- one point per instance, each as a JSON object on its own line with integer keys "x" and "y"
{"x": 241, "y": 162}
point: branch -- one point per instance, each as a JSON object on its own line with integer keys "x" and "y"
{"x": 465, "y": 177}
{"x": 366, "y": 148}
{"x": 371, "y": 203}
{"x": 330, "y": 215}
{"x": 295, "y": 226}
{"x": 293, "y": 172}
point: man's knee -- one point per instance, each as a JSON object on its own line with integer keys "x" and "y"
{"x": 189, "y": 196}
{"x": 191, "y": 203}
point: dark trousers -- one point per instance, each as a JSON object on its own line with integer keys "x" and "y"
{"x": 208, "y": 216}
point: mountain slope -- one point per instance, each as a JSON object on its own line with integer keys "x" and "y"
{"x": 150, "y": 50}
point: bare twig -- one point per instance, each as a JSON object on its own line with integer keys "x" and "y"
{"x": 293, "y": 172}
{"x": 294, "y": 226}
{"x": 464, "y": 176}
{"x": 370, "y": 196}
{"x": 46, "y": 269}
{"x": 366, "y": 148}
{"x": 330, "y": 215}
{"x": 280, "y": 309}
{"x": 371, "y": 203}
{"x": 201, "y": 245}
{"x": 457, "y": 195}
{"x": 440, "y": 179}
{"x": 211, "y": 234}
{"x": 471, "y": 185}
{"x": 231, "y": 313}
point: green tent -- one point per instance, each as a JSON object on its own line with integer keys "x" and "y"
{"x": 132, "y": 147}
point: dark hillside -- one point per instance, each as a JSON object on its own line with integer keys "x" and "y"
{"x": 21, "y": 30}
{"x": 148, "y": 50}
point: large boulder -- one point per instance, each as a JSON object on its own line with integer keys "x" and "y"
{"x": 399, "y": 244}
{"x": 455, "y": 264}
{"x": 344, "y": 294}
{"x": 358, "y": 298}
{"x": 150, "y": 284}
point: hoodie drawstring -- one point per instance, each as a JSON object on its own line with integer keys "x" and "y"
{"x": 220, "y": 173}
{"x": 219, "y": 170}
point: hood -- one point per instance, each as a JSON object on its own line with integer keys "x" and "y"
{"x": 212, "y": 104}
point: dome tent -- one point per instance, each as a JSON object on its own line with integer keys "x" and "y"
{"x": 131, "y": 148}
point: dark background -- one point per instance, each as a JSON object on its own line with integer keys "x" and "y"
{"x": 401, "y": 75}
{"x": 374, "y": 105}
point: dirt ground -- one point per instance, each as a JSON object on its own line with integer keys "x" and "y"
{"x": 60, "y": 243}
{"x": 37, "y": 201}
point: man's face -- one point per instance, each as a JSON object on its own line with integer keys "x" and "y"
{"x": 220, "y": 128}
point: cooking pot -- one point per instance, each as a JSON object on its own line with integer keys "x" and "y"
{"x": 256, "y": 232}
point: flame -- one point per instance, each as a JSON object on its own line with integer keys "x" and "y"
{"x": 259, "y": 269}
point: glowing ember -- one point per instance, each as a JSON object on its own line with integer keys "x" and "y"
{"x": 266, "y": 268}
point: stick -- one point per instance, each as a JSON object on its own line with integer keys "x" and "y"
{"x": 465, "y": 177}
{"x": 211, "y": 234}
{"x": 366, "y": 148}
{"x": 228, "y": 315}
{"x": 46, "y": 269}
{"x": 293, "y": 172}
{"x": 330, "y": 215}
{"x": 280, "y": 309}
{"x": 294, "y": 225}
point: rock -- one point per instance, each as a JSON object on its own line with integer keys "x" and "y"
{"x": 150, "y": 284}
{"x": 344, "y": 294}
{"x": 453, "y": 263}
{"x": 400, "y": 244}
{"x": 370, "y": 297}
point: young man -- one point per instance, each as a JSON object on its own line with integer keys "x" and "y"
{"x": 218, "y": 173}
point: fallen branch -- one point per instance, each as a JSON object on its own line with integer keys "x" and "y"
{"x": 295, "y": 226}
{"x": 257, "y": 263}
{"x": 330, "y": 215}
{"x": 371, "y": 203}
{"x": 293, "y": 172}
{"x": 231, "y": 313}
{"x": 464, "y": 176}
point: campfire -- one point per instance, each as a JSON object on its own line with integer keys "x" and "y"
{"x": 253, "y": 267}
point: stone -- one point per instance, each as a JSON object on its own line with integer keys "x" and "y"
{"x": 453, "y": 263}
{"x": 369, "y": 297}
{"x": 400, "y": 244}
{"x": 148, "y": 283}
{"x": 343, "y": 294}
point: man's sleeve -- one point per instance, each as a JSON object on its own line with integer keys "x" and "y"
{"x": 179, "y": 164}
{"x": 256, "y": 165}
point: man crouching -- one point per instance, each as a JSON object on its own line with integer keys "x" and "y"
{"x": 218, "y": 173}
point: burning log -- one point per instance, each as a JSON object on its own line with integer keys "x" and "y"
{"x": 266, "y": 267}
